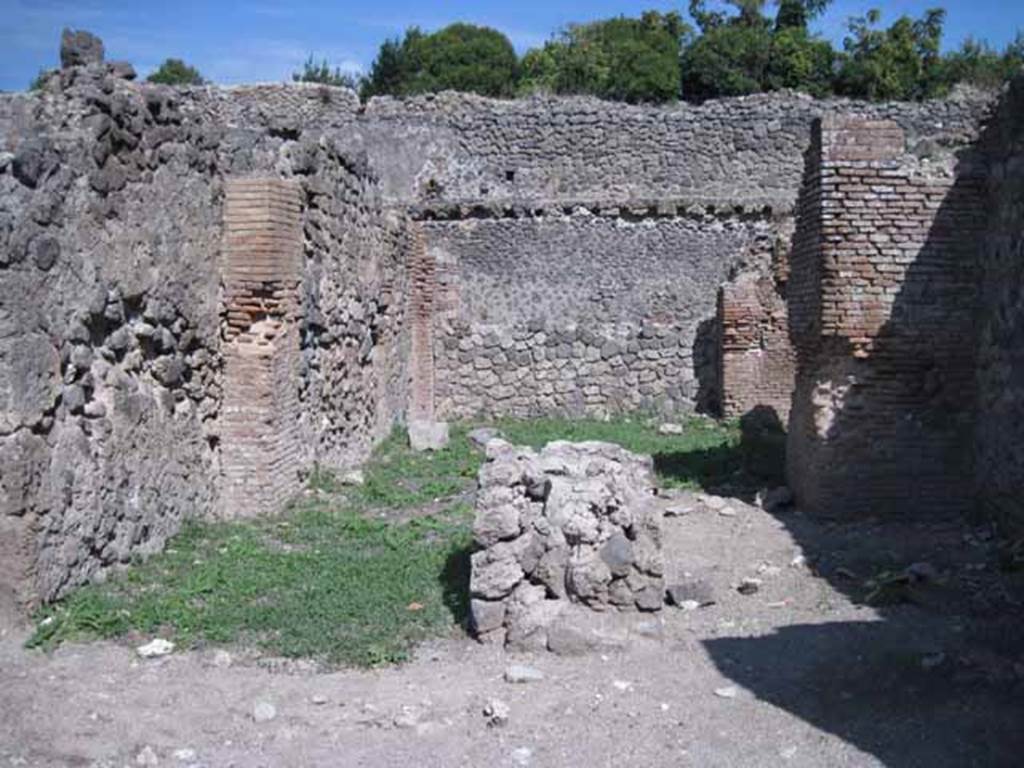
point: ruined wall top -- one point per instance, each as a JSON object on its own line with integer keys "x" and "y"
{"x": 449, "y": 150}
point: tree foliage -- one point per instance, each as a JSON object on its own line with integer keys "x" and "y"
{"x": 176, "y": 72}
{"x": 623, "y": 59}
{"x": 460, "y": 57}
{"x": 978, "y": 64}
{"x": 748, "y": 52}
{"x": 900, "y": 62}
{"x": 737, "y": 47}
{"x": 321, "y": 72}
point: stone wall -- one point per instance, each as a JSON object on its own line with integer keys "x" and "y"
{"x": 560, "y": 228}
{"x": 116, "y": 343}
{"x": 999, "y": 427}
{"x": 882, "y": 297}
{"x": 586, "y": 313}
{"x": 354, "y": 365}
{"x": 448, "y": 256}
{"x": 110, "y": 368}
{"x": 467, "y": 150}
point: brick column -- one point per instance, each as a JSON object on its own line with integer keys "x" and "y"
{"x": 881, "y": 295}
{"x": 261, "y": 453}
{"x": 757, "y": 358}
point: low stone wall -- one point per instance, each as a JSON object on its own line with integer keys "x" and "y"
{"x": 574, "y": 524}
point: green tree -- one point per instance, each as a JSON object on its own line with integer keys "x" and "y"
{"x": 748, "y": 52}
{"x": 176, "y": 72}
{"x": 623, "y": 59}
{"x": 460, "y": 57}
{"x": 901, "y": 62}
{"x": 314, "y": 72}
{"x": 978, "y": 64}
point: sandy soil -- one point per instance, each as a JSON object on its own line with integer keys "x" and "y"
{"x": 796, "y": 674}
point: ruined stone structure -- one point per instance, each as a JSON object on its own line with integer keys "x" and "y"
{"x": 573, "y": 526}
{"x": 206, "y": 291}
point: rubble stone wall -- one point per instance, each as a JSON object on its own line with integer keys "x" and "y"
{"x": 999, "y": 427}
{"x": 123, "y": 406}
{"x": 581, "y": 314}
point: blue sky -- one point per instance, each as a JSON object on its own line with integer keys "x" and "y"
{"x": 239, "y": 41}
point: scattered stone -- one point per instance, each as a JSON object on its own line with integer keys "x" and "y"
{"x": 622, "y": 685}
{"x": 728, "y": 692}
{"x": 155, "y": 648}
{"x": 727, "y": 511}
{"x": 670, "y": 429}
{"x": 185, "y": 755}
{"x": 519, "y": 673}
{"x": 775, "y": 499}
{"x": 428, "y": 435}
{"x": 263, "y": 712}
{"x": 409, "y": 717}
{"x": 678, "y": 510}
{"x": 714, "y": 503}
{"x": 689, "y": 605}
{"x": 522, "y": 755}
{"x": 693, "y": 590}
{"x": 221, "y": 659}
{"x": 318, "y": 699}
{"x": 147, "y": 757}
{"x": 481, "y": 436}
{"x": 749, "y": 586}
{"x": 496, "y": 712}
{"x": 353, "y": 477}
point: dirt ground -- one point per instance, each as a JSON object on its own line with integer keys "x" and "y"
{"x": 796, "y": 673}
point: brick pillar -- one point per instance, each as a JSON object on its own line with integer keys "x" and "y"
{"x": 261, "y": 453}
{"x": 756, "y": 358}
{"x": 423, "y": 273}
{"x": 881, "y": 294}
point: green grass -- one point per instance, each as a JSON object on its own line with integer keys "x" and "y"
{"x": 333, "y": 581}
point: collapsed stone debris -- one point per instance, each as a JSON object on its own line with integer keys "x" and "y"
{"x": 573, "y": 525}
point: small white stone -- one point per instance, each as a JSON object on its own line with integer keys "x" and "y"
{"x": 727, "y": 511}
{"x": 670, "y": 429}
{"x": 147, "y": 757}
{"x": 689, "y": 605}
{"x": 184, "y": 755}
{"x": 263, "y": 712}
{"x": 155, "y": 648}
{"x": 318, "y": 699}
{"x": 728, "y": 692}
{"x": 353, "y": 477}
{"x": 522, "y": 755}
{"x": 497, "y": 712}
{"x": 520, "y": 673}
{"x": 622, "y": 685}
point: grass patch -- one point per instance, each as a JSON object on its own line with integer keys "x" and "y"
{"x": 326, "y": 584}
{"x": 332, "y": 581}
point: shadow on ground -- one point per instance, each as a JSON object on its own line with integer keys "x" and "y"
{"x": 937, "y": 679}
{"x": 758, "y": 460}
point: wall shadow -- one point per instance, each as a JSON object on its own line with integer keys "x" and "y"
{"x": 933, "y": 676}
{"x": 707, "y": 367}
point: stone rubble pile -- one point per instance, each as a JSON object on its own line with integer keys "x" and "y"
{"x": 572, "y": 526}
